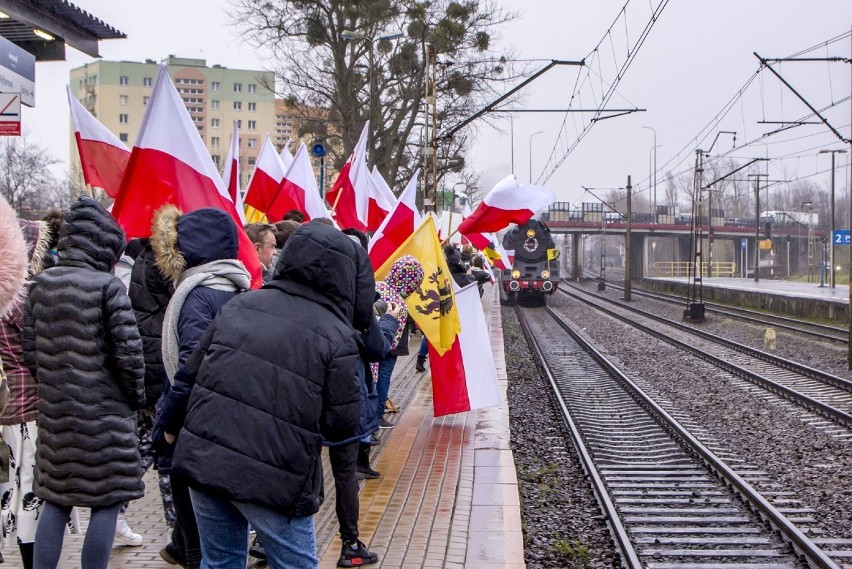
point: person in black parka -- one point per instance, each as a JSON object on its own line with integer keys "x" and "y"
{"x": 275, "y": 374}
{"x": 81, "y": 343}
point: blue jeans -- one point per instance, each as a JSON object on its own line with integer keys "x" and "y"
{"x": 224, "y": 526}
{"x": 383, "y": 383}
{"x": 424, "y": 348}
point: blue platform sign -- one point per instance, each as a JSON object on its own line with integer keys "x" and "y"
{"x": 743, "y": 243}
{"x": 841, "y": 237}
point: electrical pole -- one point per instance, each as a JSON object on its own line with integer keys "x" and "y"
{"x": 833, "y": 224}
{"x": 627, "y": 248}
{"x": 430, "y": 151}
{"x": 757, "y": 225}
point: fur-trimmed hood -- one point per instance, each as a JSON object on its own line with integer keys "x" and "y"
{"x": 38, "y": 237}
{"x": 13, "y": 256}
{"x": 182, "y": 241}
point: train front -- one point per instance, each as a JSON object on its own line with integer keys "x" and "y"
{"x": 535, "y": 270}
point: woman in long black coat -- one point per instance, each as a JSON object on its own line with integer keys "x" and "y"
{"x": 82, "y": 346}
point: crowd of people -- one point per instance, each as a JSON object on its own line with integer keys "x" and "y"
{"x": 120, "y": 356}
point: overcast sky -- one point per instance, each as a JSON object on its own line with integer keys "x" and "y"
{"x": 697, "y": 57}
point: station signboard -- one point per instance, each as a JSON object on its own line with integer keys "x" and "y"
{"x": 765, "y": 244}
{"x": 10, "y": 114}
{"x": 841, "y": 237}
{"x": 17, "y": 71}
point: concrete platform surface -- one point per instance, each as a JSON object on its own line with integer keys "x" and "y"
{"x": 448, "y": 494}
{"x": 796, "y": 289}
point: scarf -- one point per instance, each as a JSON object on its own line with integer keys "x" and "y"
{"x": 224, "y": 274}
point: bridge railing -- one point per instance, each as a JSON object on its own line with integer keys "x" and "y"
{"x": 682, "y": 269}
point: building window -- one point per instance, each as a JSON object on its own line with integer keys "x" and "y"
{"x": 252, "y": 107}
{"x": 124, "y": 80}
{"x": 238, "y": 106}
{"x": 217, "y": 159}
{"x": 122, "y": 100}
{"x": 122, "y": 136}
{"x": 145, "y": 100}
{"x": 147, "y": 82}
{"x": 252, "y": 88}
{"x": 214, "y": 105}
{"x": 252, "y": 160}
{"x": 239, "y": 124}
{"x": 214, "y": 86}
{"x": 238, "y": 87}
{"x": 252, "y": 143}
{"x": 123, "y": 119}
{"x": 214, "y": 123}
{"x": 252, "y": 125}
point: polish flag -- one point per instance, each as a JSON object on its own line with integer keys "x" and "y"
{"x": 478, "y": 240}
{"x": 350, "y": 195}
{"x": 170, "y": 164}
{"x": 286, "y": 157}
{"x": 397, "y": 226}
{"x": 103, "y": 157}
{"x": 506, "y": 203}
{"x": 465, "y": 378}
{"x": 298, "y": 190}
{"x": 231, "y": 175}
{"x": 268, "y": 172}
{"x": 382, "y": 200}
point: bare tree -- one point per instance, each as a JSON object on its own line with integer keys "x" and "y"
{"x": 26, "y": 180}
{"x": 315, "y": 67}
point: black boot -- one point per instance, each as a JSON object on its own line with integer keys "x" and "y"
{"x": 362, "y": 467}
{"x": 420, "y": 365}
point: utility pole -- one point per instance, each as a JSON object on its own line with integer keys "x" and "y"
{"x": 757, "y": 225}
{"x": 430, "y": 159}
{"x": 833, "y": 224}
{"x": 627, "y": 248}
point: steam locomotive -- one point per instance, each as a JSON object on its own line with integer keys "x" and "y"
{"x": 535, "y": 270}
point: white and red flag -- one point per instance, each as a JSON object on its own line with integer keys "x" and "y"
{"x": 506, "y": 203}
{"x": 231, "y": 174}
{"x": 268, "y": 172}
{"x": 286, "y": 157}
{"x": 103, "y": 157}
{"x": 398, "y": 226}
{"x": 169, "y": 164}
{"x": 350, "y": 195}
{"x": 478, "y": 240}
{"x": 298, "y": 190}
{"x": 465, "y": 378}
{"x": 382, "y": 200}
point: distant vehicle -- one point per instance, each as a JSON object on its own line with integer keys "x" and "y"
{"x": 802, "y": 218}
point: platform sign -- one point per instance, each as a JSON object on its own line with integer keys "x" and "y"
{"x": 743, "y": 243}
{"x": 10, "y": 114}
{"x": 841, "y": 237}
{"x": 17, "y": 71}
{"x": 765, "y": 244}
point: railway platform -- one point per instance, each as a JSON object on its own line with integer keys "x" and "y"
{"x": 448, "y": 495}
{"x": 785, "y": 297}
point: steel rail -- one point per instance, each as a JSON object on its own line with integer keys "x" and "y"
{"x": 802, "y": 544}
{"x": 840, "y": 417}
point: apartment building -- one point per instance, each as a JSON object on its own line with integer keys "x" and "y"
{"x": 117, "y": 92}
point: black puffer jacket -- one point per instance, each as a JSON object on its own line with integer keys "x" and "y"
{"x": 275, "y": 373}
{"x": 150, "y": 291}
{"x": 82, "y": 346}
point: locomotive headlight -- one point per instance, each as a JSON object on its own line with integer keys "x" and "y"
{"x": 530, "y": 232}
{"x": 516, "y": 274}
{"x": 545, "y": 274}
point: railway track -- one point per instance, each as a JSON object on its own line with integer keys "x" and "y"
{"x": 671, "y": 502}
{"x": 828, "y": 395}
{"x": 809, "y": 329}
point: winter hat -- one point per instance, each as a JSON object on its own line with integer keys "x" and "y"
{"x": 452, "y": 254}
{"x": 405, "y": 275}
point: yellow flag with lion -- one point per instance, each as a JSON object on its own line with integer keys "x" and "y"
{"x": 433, "y": 305}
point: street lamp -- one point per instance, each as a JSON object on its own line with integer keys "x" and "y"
{"x": 809, "y": 205}
{"x": 531, "y": 137}
{"x": 832, "y": 152}
{"x": 654, "y": 194}
{"x": 350, "y": 35}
